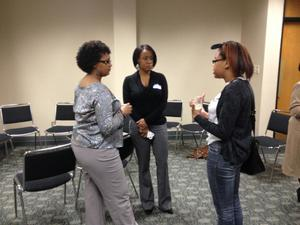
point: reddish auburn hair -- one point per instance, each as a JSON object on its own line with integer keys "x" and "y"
{"x": 238, "y": 58}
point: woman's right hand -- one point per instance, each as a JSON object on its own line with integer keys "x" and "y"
{"x": 126, "y": 109}
{"x": 195, "y": 112}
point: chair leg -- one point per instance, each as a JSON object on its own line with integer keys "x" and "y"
{"x": 11, "y": 144}
{"x": 178, "y": 134}
{"x": 23, "y": 207}
{"x": 54, "y": 139}
{"x": 182, "y": 142}
{"x": 274, "y": 164}
{"x": 264, "y": 157}
{"x": 78, "y": 188}
{"x": 65, "y": 193}
{"x": 15, "y": 199}
{"x": 132, "y": 183}
{"x": 6, "y": 149}
{"x": 40, "y": 139}
{"x": 176, "y": 139}
{"x": 34, "y": 140}
{"x": 195, "y": 139}
{"x": 45, "y": 141}
{"x": 201, "y": 138}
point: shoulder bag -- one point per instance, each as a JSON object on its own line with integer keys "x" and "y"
{"x": 253, "y": 164}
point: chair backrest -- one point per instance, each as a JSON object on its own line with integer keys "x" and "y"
{"x": 64, "y": 111}
{"x": 48, "y": 162}
{"x": 278, "y": 122}
{"x": 127, "y": 148}
{"x": 173, "y": 109}
{"x": 16, "y": 113}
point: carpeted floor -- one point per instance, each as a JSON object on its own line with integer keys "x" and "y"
{"x": 263, "y": 202}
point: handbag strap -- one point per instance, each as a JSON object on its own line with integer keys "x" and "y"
{"x": 252, "y": 114}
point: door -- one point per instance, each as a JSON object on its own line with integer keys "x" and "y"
{"x": 290, "y": 64}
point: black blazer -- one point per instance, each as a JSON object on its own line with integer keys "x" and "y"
{"x": 234, "y": 122}
{"x": 147, "y": 102}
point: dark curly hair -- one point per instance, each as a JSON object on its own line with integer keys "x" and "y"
{"x": 137, "y": 52}
{"x": 89, "y": 55}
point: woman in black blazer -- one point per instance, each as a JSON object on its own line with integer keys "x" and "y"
{"x": 147, "y": 92}
{"x": 229, "y": 126}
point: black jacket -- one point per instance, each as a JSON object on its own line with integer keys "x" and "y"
{"x": 147, "y": 102}
{"x": 234, "y": 122}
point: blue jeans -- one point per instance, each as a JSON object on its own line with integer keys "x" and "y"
{"x": 224, "y": 180}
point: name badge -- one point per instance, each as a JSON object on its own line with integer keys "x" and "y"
{"x": 157, "y": 86}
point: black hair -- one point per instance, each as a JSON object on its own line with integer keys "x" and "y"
{"x": 137, "y": 52}
{"x": 89, "y": 55}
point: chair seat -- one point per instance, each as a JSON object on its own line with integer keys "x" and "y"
{"x": 192, "y": 127}
{"x": 171, "y": 124}
{"x": 4, "y": 137}
{"x": 266, "y": 141}
{"x": 21, "y": 131}
{"x": 127, "y": 148}
{"x": 60, "y": 129}
{"x": 43, "y": 184}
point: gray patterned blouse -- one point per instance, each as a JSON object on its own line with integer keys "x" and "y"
{"x": 99, "y": 120}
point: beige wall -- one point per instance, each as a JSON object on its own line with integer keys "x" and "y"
{"x": 182, "y": 32}
{"x": 124, "y": 42}
{"x": 271, "y": 61}
{"x": 39, "y": 40}
{"x": 253, "y": 36}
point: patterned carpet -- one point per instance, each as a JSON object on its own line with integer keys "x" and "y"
{"x": 263, "y": 202}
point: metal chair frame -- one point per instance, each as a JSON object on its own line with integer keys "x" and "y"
{"x": 174, "y": 110}
{"x": 44, "y": 169}
{"x": 18, "y": 113}
{"x": 278, "y": 123}
{"x": 64, "y": 112}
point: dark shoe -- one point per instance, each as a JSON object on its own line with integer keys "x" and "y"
{"x": 169, "y": 211}
{"x": 298, "y": 194}
{"x": 148, "y": 211}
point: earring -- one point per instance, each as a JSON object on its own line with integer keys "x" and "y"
{"x": 137, "y": 66}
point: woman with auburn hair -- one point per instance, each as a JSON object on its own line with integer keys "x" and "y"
{"x": 227, "y": 122}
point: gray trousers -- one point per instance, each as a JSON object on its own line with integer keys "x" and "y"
{"x": 105, "y": 186}
{"x": 160, "y": 150}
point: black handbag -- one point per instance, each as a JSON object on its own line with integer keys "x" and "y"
{"x": 253, "y": 164}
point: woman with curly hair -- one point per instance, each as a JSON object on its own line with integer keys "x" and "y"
{"x": 97, "y": 135}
